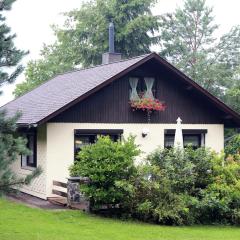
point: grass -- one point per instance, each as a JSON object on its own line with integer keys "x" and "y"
{"x": 18, "y": 222}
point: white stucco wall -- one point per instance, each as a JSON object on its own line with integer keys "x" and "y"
{"x": 60, "y": 142}
{"x": 38, "y": 186}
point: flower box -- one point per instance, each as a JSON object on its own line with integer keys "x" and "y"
{"x": 148, "y": 104}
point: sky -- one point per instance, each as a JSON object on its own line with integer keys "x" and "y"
{"x": 31, "y": 21}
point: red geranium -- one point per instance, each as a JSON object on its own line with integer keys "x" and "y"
{"x": 148, "y": 104}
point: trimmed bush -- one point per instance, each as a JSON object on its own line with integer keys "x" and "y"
{"x": 105, "y": 163}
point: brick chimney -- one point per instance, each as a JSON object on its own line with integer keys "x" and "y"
{"x": 111, "y": 56}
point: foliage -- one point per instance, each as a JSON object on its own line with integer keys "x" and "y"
{"x": 186, "y": 170}
{"x": 229, "y": 54}
{"x": 166, "y": 188}
{"x": 152, "y": 199}
{"x": 84, "y": 37}
{"x": 10, "y": 56}
{"x": 105, "y": 163}
{"x": 232, "y": 97}
{"x": 187, "y": 41}
{"x": 11, "y": 146}
{"x": 190, "y": 187}
{"x": 172, "y": 186}
{"x": 39, "y": 71}
{"x": 233, "y": 145}
{"x": 220, "y": 201}
{"x": 187, "y": 37}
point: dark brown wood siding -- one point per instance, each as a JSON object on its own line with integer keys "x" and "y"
{"x": 111, "y": 104}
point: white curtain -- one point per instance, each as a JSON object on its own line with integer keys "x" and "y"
{"x": 133, "y": 93}
{"x": 149, "y": 84}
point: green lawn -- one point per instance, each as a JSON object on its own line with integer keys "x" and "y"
{"x": 18, "y": 222}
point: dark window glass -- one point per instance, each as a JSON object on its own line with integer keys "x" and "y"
{"x": 193, "y": 140}
{"x": 82, "y": 140}
{"x": 141, "y": 87}
{"x": 30, "y": 160}
{"x": 168, "y": 141}
{"x": 188, "y": 139}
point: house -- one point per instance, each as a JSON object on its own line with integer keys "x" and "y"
{"x": 72, "y": 109}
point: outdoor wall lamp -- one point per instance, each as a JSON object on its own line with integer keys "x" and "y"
{"x": 145, "y": 132}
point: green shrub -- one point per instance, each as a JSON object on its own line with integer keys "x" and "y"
{"x": 182, "y": 174}
{"x": 105, "y": 163}
{"x": 187, "y": 170}
{"x": 233, "y": 146}
{"x": 173, "y": 187}
{"x": 152, "y": 198}
{"x": 194, "y": 186}
{"x": 220, "y": 201}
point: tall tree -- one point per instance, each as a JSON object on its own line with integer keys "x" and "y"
{"x": 227, "y": 54}
{"x": 10, "y": 56}
{"x": 11, "y": 145}
{"x": 84, "y": 37}
{"x": 232, "y": 94}
{"x": 187, "y": 41}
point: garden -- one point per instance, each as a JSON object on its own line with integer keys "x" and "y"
{"x": 175, "y": 194}
{"x": 171, "y": 186}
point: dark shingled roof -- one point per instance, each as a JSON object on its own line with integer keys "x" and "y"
{"x": 61, "y": 92}
{"x": 63, "y": 89}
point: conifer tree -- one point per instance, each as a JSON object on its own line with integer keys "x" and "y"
{"x": 10, "y": 56}
{"x": 11, "y": 145}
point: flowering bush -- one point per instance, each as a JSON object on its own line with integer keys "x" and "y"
{"x": 148, "y": 104}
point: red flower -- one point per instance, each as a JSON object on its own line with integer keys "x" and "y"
{"x": 148, "y": 104}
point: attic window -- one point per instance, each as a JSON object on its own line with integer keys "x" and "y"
{"x": 133, "y": 93}
{"x": 141, "y": 88}
{"x": 141, "y": 96}
{"x": 149, "y": 81}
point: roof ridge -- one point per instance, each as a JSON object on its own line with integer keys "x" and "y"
{"x": 72, "y": 71}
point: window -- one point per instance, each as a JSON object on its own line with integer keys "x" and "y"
{"x": 83, "y": 137}
{"x": 196, "y": 138}
{"x": 192, "y": 139}
{"x": 168, "y": 140}
{"x": 82, "y": 140}
{"x": 141, "y": 87}
{"x": 30, "y": 160}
